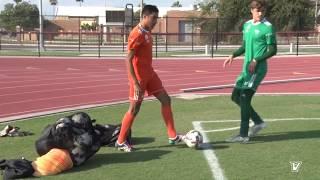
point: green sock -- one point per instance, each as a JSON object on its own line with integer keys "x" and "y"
{"x": 235, "y": 96}
{"x": 246, "y": 110}
{"x": 255, "y": 116}
{"x": 243, "y": 99}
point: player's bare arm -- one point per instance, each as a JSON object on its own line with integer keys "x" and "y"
{"x": 228, "y": 61}
{"x": 252, "y": 66}
{"x": 237, "y": 53}
{"x": 130, "y": 68}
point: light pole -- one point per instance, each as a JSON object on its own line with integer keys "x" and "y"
{"x": 53, "y": 4}
{"x": 40, "y": 25}
{"x": 141, "y": 9}
{"x": 80, "y": 1}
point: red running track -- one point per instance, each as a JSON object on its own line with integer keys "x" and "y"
{"x": 33, "y": 85}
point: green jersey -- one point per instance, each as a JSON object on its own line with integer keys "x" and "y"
{"x": 256, "y": 37}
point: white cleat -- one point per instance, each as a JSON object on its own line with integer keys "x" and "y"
{"x": 256, "y": 128}
{"x": 125, "y": 147}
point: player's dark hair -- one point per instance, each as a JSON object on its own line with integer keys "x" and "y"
{"x": 149, "y": 9}
{"x": 259, "y": 4}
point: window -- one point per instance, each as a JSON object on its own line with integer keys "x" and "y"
{"x": 185, "y": 27}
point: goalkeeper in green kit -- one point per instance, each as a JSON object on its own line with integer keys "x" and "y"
{"x": 259, "y": 44}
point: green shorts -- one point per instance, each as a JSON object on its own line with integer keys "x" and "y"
{"x": 249, "y": 81}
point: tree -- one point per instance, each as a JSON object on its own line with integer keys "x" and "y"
{"x": 296, "y": 15}
{"x": 88, "y": 27}
{"x": 23, "y": 14}
{"x": 136, "y": 15}
{"x": 7, "y": 16}
{"x": 17, "y": 1}
{"x": 208, "y": 7}
{"x": 53, "y": 2}
{"x": 176, "y": 4}
{"x": 233, "y": 13}
{"x": 208, "y": 10}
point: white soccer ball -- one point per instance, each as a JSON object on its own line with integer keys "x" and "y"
{"x": 193, "y": 139}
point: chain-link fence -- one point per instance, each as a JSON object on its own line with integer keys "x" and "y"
{"x": 172, "y": 37}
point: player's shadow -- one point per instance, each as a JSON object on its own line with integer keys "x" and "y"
{"x": 212, "y": 145}
{"x": 203, "y": 146}
{"x": 136, "y": 141}
{"x": 284, "y": 136}
{"x": 99, "y": 160}
{"x": 181, "y": 145}
{"x": 280, "y": 136}
{"x": 142, "y": 140}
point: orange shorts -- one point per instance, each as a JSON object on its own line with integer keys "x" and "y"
{"x": 151, "y": 86}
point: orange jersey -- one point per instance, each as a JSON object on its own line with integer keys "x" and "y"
{"x": 140, "y": 40}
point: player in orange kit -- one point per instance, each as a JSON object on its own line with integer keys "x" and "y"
{"x": 142, "y": 78}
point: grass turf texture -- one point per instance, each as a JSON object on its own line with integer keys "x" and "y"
{"x": 266, "y": 157}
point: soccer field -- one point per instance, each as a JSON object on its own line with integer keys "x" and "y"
{"x": 292, "y": 135}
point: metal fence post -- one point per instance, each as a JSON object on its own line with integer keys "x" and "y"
{"x": 0, "y": 40}
{"x": 192, "y": 36}
{"x": 79, "y": 42}
{"x": 166, "y": 33}
{"x": 156, "y": 45}
{"x": 100, "y": 40}
{"x": 217, "y": 31}
{"x": 38, "y": 38}
{"x": 212, "y": 45}
{"x": 297, "y": 49}
{"x": 298, "y": 33}
{"x": 124, "y": 36}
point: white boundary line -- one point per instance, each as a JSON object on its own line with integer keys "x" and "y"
{"x": 27, "y": 116}
{"x": 267, "y": 120}
{"x": 264, "y": 94}
{"x": 47, "y": 112}
{"x": 264, "y": 82}
{"x": 221, "y": 130}
{"x": 209, "y": 153}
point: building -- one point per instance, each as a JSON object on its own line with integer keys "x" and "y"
{"x": 175, "y": 24}
{"x": 178, "y": 24}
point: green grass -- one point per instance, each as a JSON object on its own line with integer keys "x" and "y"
{"x": 266, "y": 157}
{"x": 18, "y": 53}
{"x": 302, "y": 50}
{"x": 36, "y": 53}
{"x": 74, "y": 53}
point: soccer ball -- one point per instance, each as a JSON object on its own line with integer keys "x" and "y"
{"x": 193, "y": 139}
